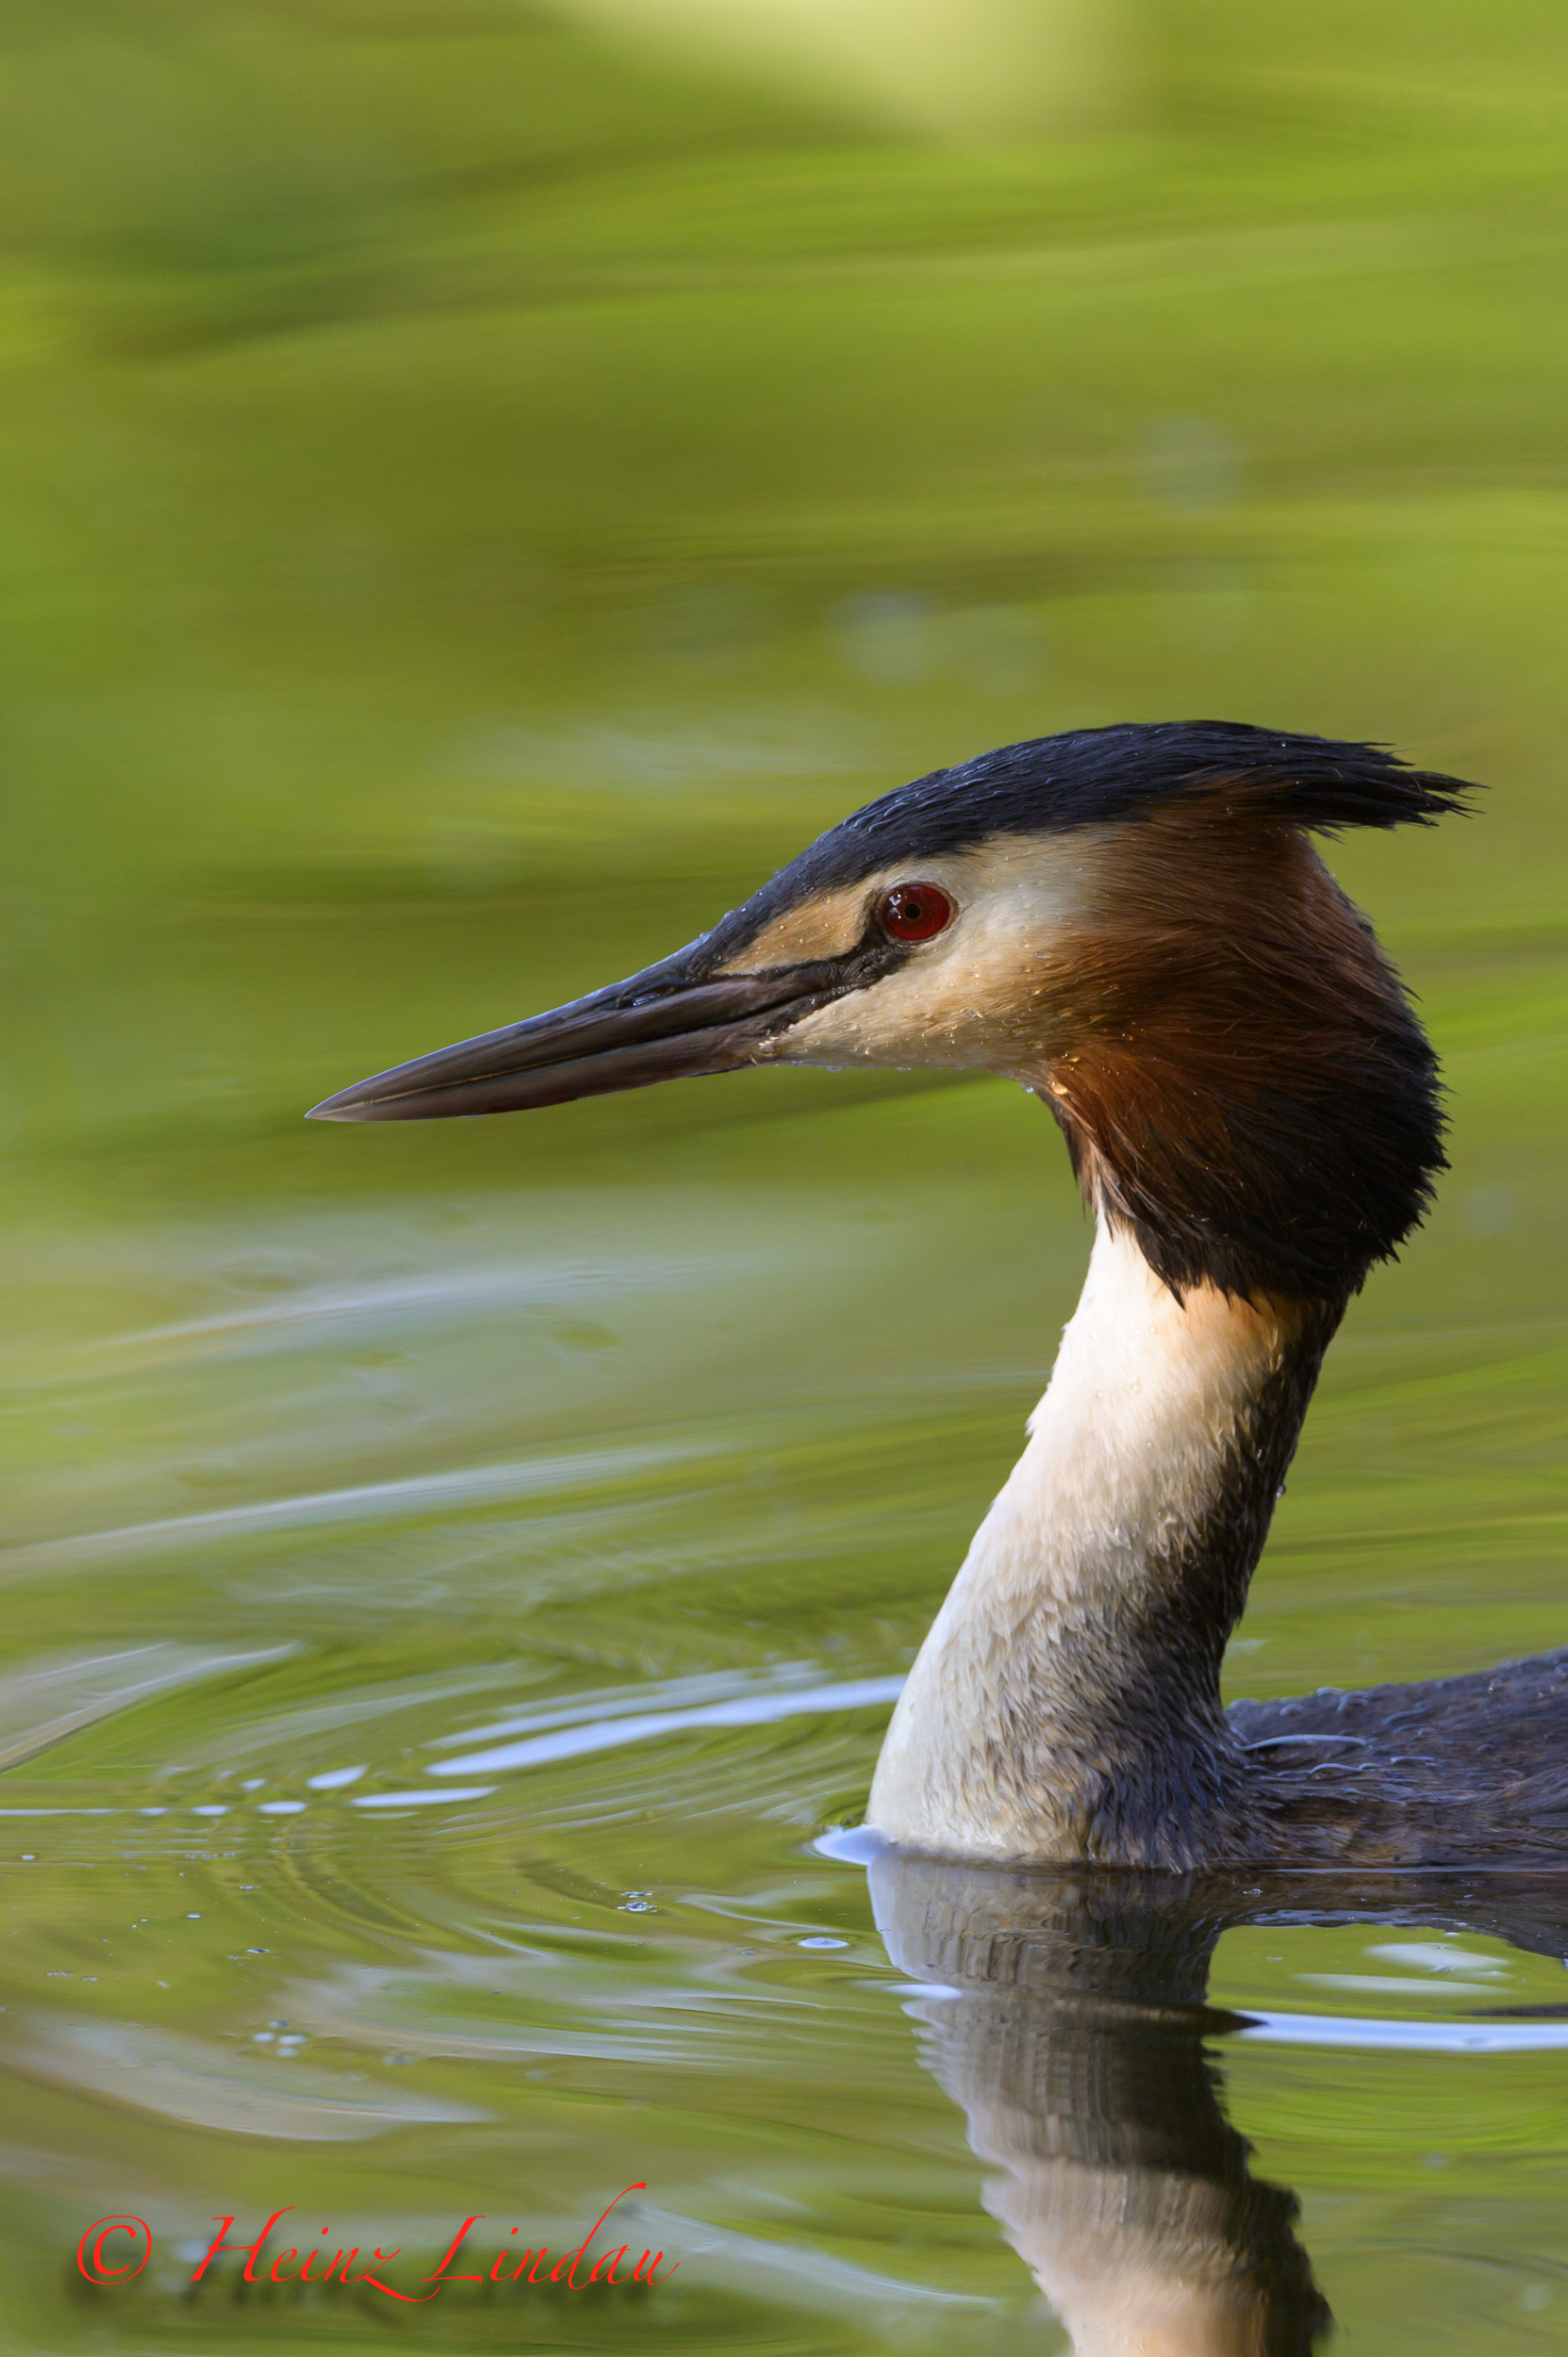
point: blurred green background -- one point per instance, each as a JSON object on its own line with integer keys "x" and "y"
{"x": 480, "y": 485}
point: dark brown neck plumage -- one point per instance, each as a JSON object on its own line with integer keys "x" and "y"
{"x": 1249, "y": 1090}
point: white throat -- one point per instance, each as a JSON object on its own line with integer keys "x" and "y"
{"x": 1065, "y": 1703}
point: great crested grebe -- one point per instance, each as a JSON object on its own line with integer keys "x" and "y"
{"x": 1132, "y": 922}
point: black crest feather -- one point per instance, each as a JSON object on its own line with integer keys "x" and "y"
{"x": 1089, "y": 775}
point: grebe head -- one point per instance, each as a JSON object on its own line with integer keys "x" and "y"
{"x": 1132, "y": 922}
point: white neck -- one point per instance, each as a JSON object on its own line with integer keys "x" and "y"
{"x": 1065, "y": 1703}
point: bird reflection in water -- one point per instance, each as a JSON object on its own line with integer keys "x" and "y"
{"x": 1066, "y": 2016}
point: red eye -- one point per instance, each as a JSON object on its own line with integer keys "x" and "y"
{"x": 915, "y": 912}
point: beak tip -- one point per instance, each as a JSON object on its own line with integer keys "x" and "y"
{"x": 342, "y": 1107}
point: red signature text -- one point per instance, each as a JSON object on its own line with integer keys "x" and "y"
{"x": 102, "y": 2257}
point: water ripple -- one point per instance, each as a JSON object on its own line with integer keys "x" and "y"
{"x": 604, "y": 1734}
{"x": 375, "y": 1501}
{"x": 52, "y": 1698}
{"x": 204, "y": 2084}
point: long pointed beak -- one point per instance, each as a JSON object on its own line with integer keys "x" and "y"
{"x": 664, "y": 1023}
